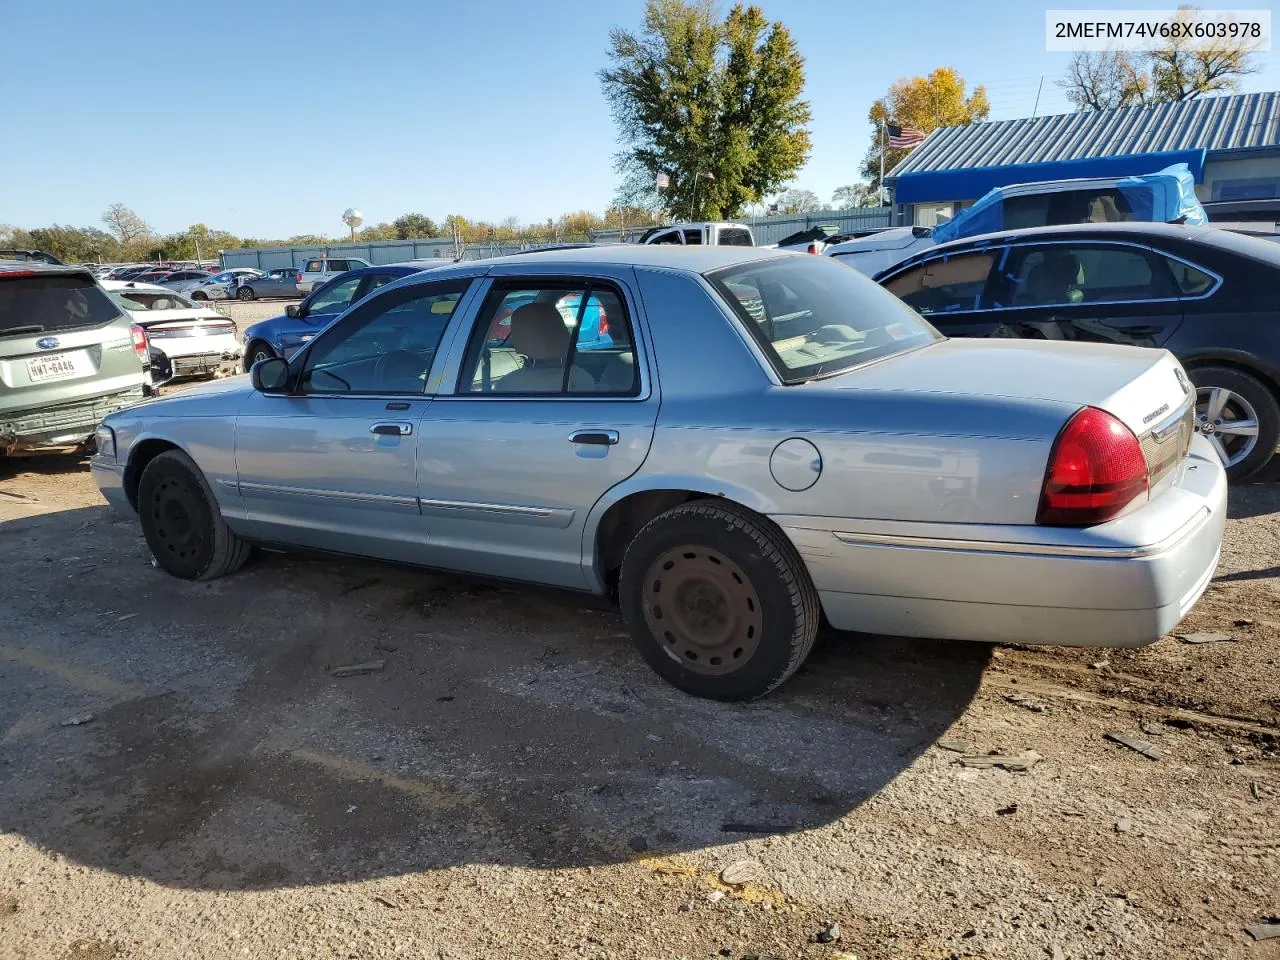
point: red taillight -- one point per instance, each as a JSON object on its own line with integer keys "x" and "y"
{"x": 1096, "y": 469}
{"x": 813, "y": 248}
{"x": 140, "y": 344}
{"x": 603, "y": 329}
{"x": 298, "y": 279}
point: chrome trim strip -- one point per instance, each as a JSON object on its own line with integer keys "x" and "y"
{"x": 507, "y": 509}
{"x": 229, "y": 484}
{"x": 1020, "y": 549}
{"x": 328, "y": 494}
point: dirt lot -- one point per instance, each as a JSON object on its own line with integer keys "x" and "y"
{"x": 515, "y": 783}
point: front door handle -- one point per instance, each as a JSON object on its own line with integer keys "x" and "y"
{"x": 392, "y": 429}
{"x": 603, "y": 438}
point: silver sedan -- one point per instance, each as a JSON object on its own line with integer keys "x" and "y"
{"x": 731, "y": 442}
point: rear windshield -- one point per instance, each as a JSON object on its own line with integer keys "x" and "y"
{"x": 735, "y": 237}
{"x": 813, "y": 317}
{"x": 48, "y": 304}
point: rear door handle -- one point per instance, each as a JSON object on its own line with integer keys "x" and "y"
{"x": 392, "y": 429}
{"x": 603, "y": 438}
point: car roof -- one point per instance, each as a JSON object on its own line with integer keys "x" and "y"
{"x": 691, "y": 259}
{"x": 35, "y": 266}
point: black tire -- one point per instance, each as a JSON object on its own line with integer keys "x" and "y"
{"x": 199, "y": 297}
{"x": 245, "y": 293}
{"x": 1258, "y": 397}
{"x": 257, "y": 350}
{"x": 720, "y": 557}
{"x": 181, "y": 522}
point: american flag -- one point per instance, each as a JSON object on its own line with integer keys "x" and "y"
{"x": 903, "y": 138}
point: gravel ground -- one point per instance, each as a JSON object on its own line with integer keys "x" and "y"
{"x": 181, "y": 774}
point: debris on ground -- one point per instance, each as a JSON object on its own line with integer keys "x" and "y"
{"x": 740, "y": 872}
{"x": 357, "y": 669}
{"x": 1242, "y": 622}
{"x": 127, "y": 616}
{"x": 638, "y": 843}
{"x": 79, "y": 720}
{"x": 1007, "y": 811}
{"x": 1057, "y": 953}
{"x": 830, "y": 933}
{"x": 1267, "y": 930}
{"x": 1019, "y": 763}
{"x": 1027, "y": 703}
{"x": 1123, "y": 825}
{"x": 1205, "y": 637}
{"x": 715, "y": 896}
{"x": 389, "y": 904}
{"x": 1148, "y": 750}
{"x": 955, "y": 746}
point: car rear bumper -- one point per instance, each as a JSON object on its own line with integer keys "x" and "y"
{"x": 199, "y": 356}
{"x": 1121, "y": 584}
{"x": 58, "y": 428}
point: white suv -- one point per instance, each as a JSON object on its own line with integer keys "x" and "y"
{"x": 320, "y": 270}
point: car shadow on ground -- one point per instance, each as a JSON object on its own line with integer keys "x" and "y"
{"x": 197, "y": 735}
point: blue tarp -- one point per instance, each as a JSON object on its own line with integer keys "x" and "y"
{"x": 969, "y": 183}
{"x": 1164, "y": 196}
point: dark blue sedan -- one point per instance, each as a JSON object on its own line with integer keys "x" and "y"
{"x": 282, "y": 336}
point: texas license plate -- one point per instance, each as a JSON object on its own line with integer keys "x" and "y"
{"x": 55, "y": 366}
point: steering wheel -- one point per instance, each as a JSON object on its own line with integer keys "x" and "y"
{"x": 397, "y": 365}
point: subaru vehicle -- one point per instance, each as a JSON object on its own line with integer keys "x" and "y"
{"x": 318, "y": 271}
{"x": 281, "y": 336}
{"x": 1203, "y": 293}
{"x": 840, "y": 462}
{"x": 68, "y": 357}
{"x": 29, "y": 256}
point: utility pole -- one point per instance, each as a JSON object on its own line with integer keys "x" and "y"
{"x": 1036, "y": 108}
{"x": 883, "y": 121}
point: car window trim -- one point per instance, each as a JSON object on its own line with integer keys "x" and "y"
{"x": 571, "y": 282}
{"x": 995, "y": 277}
{"x": 410, "y": 292}
{"x": 1009, "y": 247}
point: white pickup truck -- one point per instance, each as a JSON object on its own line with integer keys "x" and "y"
{"x": 711, "y": 233}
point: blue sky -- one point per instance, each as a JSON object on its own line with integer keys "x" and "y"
{"x": 269, "y": 119}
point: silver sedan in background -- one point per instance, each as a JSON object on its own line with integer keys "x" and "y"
{"x": 730, "y": 441}
{"x": 280, "y": 282}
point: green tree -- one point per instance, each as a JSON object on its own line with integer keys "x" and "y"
{"x": 1180, "y": 68}
{"x": 855, "y": 195}
{"x": 414, "y": 226}
{"x": 713, "y": 104}
{"x": 925, "y": 104}
{"x": 799, "y": 201}
{"x": 379, "y": 231}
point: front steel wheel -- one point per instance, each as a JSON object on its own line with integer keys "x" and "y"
{"x": 181, "y": 521}
{"x": 1239, "y": 417}
{"x": 718, "y": 601}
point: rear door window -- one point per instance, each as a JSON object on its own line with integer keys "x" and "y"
{"x": 32, "y": 305}
{"x": 314, "y": 266}
{"x": 1063, "y": 274}
{"x": 944, "y": 285}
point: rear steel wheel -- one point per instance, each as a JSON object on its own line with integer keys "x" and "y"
{"x": 704, "y": 608}
{"x": 718, "y": 601}
{"x": 245, "y": 293}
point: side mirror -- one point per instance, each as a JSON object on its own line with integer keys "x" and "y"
{"x": 270, "y": 375}
{"x": 292, "y": 311}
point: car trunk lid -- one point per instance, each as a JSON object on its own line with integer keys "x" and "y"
{"x": 1146, "y": 389}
